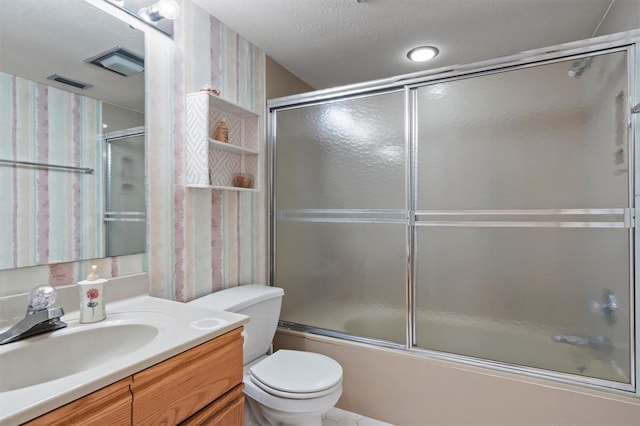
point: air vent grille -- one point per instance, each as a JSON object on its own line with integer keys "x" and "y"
{"x": 68, "y": 81}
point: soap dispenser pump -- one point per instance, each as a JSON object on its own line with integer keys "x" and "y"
{"x": 92, "y": 308}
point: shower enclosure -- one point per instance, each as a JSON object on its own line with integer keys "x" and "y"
{"x": 125, "y": 201}
{"x": 484, "y": 214}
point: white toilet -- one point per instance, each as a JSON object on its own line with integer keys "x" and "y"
{"x": 287, "y": 387}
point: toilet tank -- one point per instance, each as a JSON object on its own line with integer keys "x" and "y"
{"x": 261, "y": 303}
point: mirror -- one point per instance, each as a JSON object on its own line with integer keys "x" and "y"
{"x": 59, "y": 214}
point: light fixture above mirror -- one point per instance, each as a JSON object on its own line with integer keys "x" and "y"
{"x": 158, "y": 14}
{"x": 118, "y": 60}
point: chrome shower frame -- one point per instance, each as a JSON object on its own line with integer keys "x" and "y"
{"x": 627, "y": 41}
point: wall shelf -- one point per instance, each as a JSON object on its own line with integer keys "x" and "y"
{"x": 211, "y": 163}
{"x": 224, "y": 146}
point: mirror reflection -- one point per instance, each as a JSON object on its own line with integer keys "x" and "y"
{"x": 71, "y": 134}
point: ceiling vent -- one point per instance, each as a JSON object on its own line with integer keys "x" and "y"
{"x": 64, "y": 80}
{"x": 118, "y": 60}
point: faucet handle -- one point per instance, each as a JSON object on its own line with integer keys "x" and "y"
{"x": 40, "y": 298}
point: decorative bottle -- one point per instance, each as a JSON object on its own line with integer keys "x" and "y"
{"x": 222, "y": 131}
{"x": 92, "y": 308}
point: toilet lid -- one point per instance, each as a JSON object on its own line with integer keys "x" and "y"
{"x": 297, "y": 372}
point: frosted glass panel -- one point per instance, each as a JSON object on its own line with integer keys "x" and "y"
{"x": 342, "y": 155}
{"x": 340, "y": 177}
{"x": 344, "y": 277}
{"x": 505, "y": 277}
{"x": 527, "y": 138}
{"x": 504, "y": 294}
{"x": 126, "y": 228}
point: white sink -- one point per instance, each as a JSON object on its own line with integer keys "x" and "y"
{"x": 77, "y": 348}
{"x": 44, "y": 372}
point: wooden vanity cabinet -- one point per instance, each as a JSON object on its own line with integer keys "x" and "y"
{"x": 172, "y": 391}
{"x": 201, "y": 386}
{"x": 227, "y": 410}
{"x": 110, "y": 405}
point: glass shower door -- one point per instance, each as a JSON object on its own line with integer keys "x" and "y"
{"x": 340, "y": 207}
{"x": 523, "y": 240}
{"x": 125, "y": 212}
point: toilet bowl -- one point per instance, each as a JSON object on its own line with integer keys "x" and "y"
{"x": 294, "y": 387}
{"x": 287, "y": 387}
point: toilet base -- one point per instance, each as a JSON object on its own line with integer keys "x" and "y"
{"x": 257, "y": 415}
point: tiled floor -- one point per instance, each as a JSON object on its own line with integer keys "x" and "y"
{"x": 338, "y": 417}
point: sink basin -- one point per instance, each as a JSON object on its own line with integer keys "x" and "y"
{"x": 72, "y": 350}
{"x": 46, "y": 371}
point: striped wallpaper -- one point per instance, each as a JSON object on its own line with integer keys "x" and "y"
{"x": 201, "y": 240}
{"x": 48, "y": 215}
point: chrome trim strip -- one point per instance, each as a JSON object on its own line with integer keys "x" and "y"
{"x": 339, "y": 335}
{"x": 342, "y": 220}
{"x": 342, "y": 216}
{"x": 548, "y": 59}
{"x": 409, "y": 122}
{"x": 528, "y": 212}
{"x": 126, "y": 133}
{"x": 271, "y": 168}
{"x": 634, "y": 240}
{"x": 86, "y": 170}
{"x": 498, "y": 224}
{"x": 124, "y": 213}
{"x": 336, "y": 99}
{"x": 343, "y": 211}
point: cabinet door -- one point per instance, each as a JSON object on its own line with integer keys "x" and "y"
{"x": 110, "y": 405}
{"x": 172, "y": 391}
{"x": 225, "y": 411}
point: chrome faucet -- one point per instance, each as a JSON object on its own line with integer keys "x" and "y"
{"x": 40, "y": 317}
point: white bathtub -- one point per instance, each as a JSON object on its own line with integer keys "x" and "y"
{"x": 520, "y": 344}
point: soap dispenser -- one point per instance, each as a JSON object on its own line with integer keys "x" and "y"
{"x": 92, "y": 307}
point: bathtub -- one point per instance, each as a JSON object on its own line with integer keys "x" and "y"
{"x": 505, "y": 344}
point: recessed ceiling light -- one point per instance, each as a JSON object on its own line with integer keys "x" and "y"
{"x": 422, "y": 53}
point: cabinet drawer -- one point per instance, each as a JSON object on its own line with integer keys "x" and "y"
{"x": 172, "y": 391}
{"x": 226, "y": 411}
{"x": 110, "y": 405}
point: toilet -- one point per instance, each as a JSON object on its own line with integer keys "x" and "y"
{"x": 284, "y": 388}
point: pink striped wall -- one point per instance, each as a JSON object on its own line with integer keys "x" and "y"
{"x": 202, "y": 240}
{"x": 42, "y": 207}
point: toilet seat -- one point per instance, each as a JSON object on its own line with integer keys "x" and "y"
{"x": 297, "y": 375}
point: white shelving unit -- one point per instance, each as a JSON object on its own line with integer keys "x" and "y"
{"x": 211, "y": 163}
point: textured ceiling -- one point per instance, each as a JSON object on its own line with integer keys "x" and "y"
{"x": 328, "y": 43}
{"x": 39, "y": 38}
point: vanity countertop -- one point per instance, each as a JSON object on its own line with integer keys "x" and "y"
{"x": 157, "y": 330}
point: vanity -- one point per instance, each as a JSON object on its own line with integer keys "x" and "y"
{"x": 152, "y": 361}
